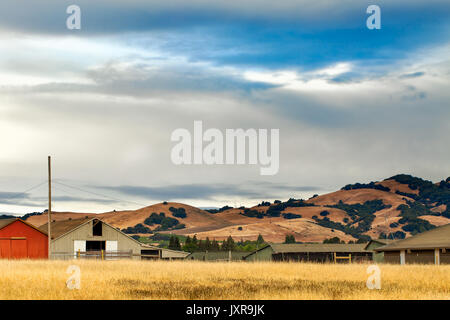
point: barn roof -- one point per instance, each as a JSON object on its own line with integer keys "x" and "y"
{"x": 436, "y": 238}
{"x": 317, "y": 247}
{"x": 58, "y": 228}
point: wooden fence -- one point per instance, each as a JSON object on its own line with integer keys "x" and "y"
{"x": 101, "y": 255}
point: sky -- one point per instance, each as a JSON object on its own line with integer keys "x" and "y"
{"x": 351, "y": 104}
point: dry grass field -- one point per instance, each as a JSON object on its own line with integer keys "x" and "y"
{"x": 218, "y": 280}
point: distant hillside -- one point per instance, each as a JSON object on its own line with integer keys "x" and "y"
{"x": 396, "y": 207}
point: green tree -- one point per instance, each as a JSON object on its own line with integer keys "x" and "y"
{"x": 289, "y": 239}
{"x": 215, "y": 245}
{"x": 333, "y": 240}
{"x": 207, "y": 244}
{"x": 228, "y": 244}
{"x": 260, "y": 240}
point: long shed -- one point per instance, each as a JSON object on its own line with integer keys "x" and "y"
{"x": 430, "y": 247}
{"x": 21, "y": 240}
{"x": 313, "y": 252}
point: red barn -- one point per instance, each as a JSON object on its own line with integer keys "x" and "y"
{"x": 20, "y": 240}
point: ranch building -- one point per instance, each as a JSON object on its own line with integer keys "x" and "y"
{"x": 217, "y": 256}
{"x": 430, "y": 247}
{"x": 311, "y": 252}
{"x": 93, "y": 238}
{"x": 377, "y": 256}
{"x": 21, "y": 240}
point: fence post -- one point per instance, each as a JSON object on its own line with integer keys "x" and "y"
{"x": 103, "y": 256}
{"x": 78, "y": 254}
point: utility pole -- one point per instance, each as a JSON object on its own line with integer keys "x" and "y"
{"x": 49, "y": 212}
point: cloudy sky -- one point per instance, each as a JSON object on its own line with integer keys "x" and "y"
{"x": 351, "y": 104}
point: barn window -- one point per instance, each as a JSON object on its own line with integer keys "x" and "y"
{"x": 95, "y": 245}
{"x": 97, "y": 228}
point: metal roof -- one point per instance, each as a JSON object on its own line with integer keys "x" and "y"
{"x": 58, "y": 228}
{"x": 436, "y": 238}
{"x": 380, "y": 241}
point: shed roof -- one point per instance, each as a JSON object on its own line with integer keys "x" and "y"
{"x": 382, "y": 242}
{"x": 436, "y": 238}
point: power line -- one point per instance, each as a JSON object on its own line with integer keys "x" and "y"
{"x": 28, "y": 190}
{"x": 70, "y": 194}
{"x": 99, "y": 194}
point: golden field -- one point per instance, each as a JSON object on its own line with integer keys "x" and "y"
{"x": 28, "y": 279}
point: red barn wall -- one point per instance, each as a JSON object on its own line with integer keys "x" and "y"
{"x": 34, "y": 246}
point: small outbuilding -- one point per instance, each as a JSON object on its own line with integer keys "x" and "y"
{"x": 93, "y": 238}
{"x": 430, "y": 247}
{"x": 311, "y": 252}
{"x": 169, "y": 254}
{"x": 376, "y": 243}
{"x": 21, "y": 240}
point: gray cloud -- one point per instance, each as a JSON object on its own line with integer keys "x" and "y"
{"x": 214, "y": 191}
{"x": 412, "y": 75}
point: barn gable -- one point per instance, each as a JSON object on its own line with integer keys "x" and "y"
{"x": 20, "y": 240}
{"x": 83, "y": 235}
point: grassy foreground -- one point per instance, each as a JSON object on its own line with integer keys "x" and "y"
{"x": 218, "y": 280}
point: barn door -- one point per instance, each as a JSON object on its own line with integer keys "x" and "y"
{"x": 111, "y": 249}
{"x": 111, "y": 245}
{"x": 5, "y": 248}
{"x": 79, "y": 245}
{"x": 19, "y": 248}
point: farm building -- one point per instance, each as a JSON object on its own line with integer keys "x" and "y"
{"x": 313, "y": 252}
{"x": 95, "y": 238}
{"x": 169, "y": 254}
{"x": 217, "y": 256}
{"x": 20, "y": 240}
{"x": 430, "y": 247}
{"x": 373, "y": 244}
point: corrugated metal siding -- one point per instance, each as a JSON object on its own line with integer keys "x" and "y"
{"x": 420, "y": 256}
{"x": 392, "y": 257}
{"x": 322, "y": 257}
{"x": 376, "y": 256}
{"x": 261, "y": 255}
{"x": 445, "y": 257}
